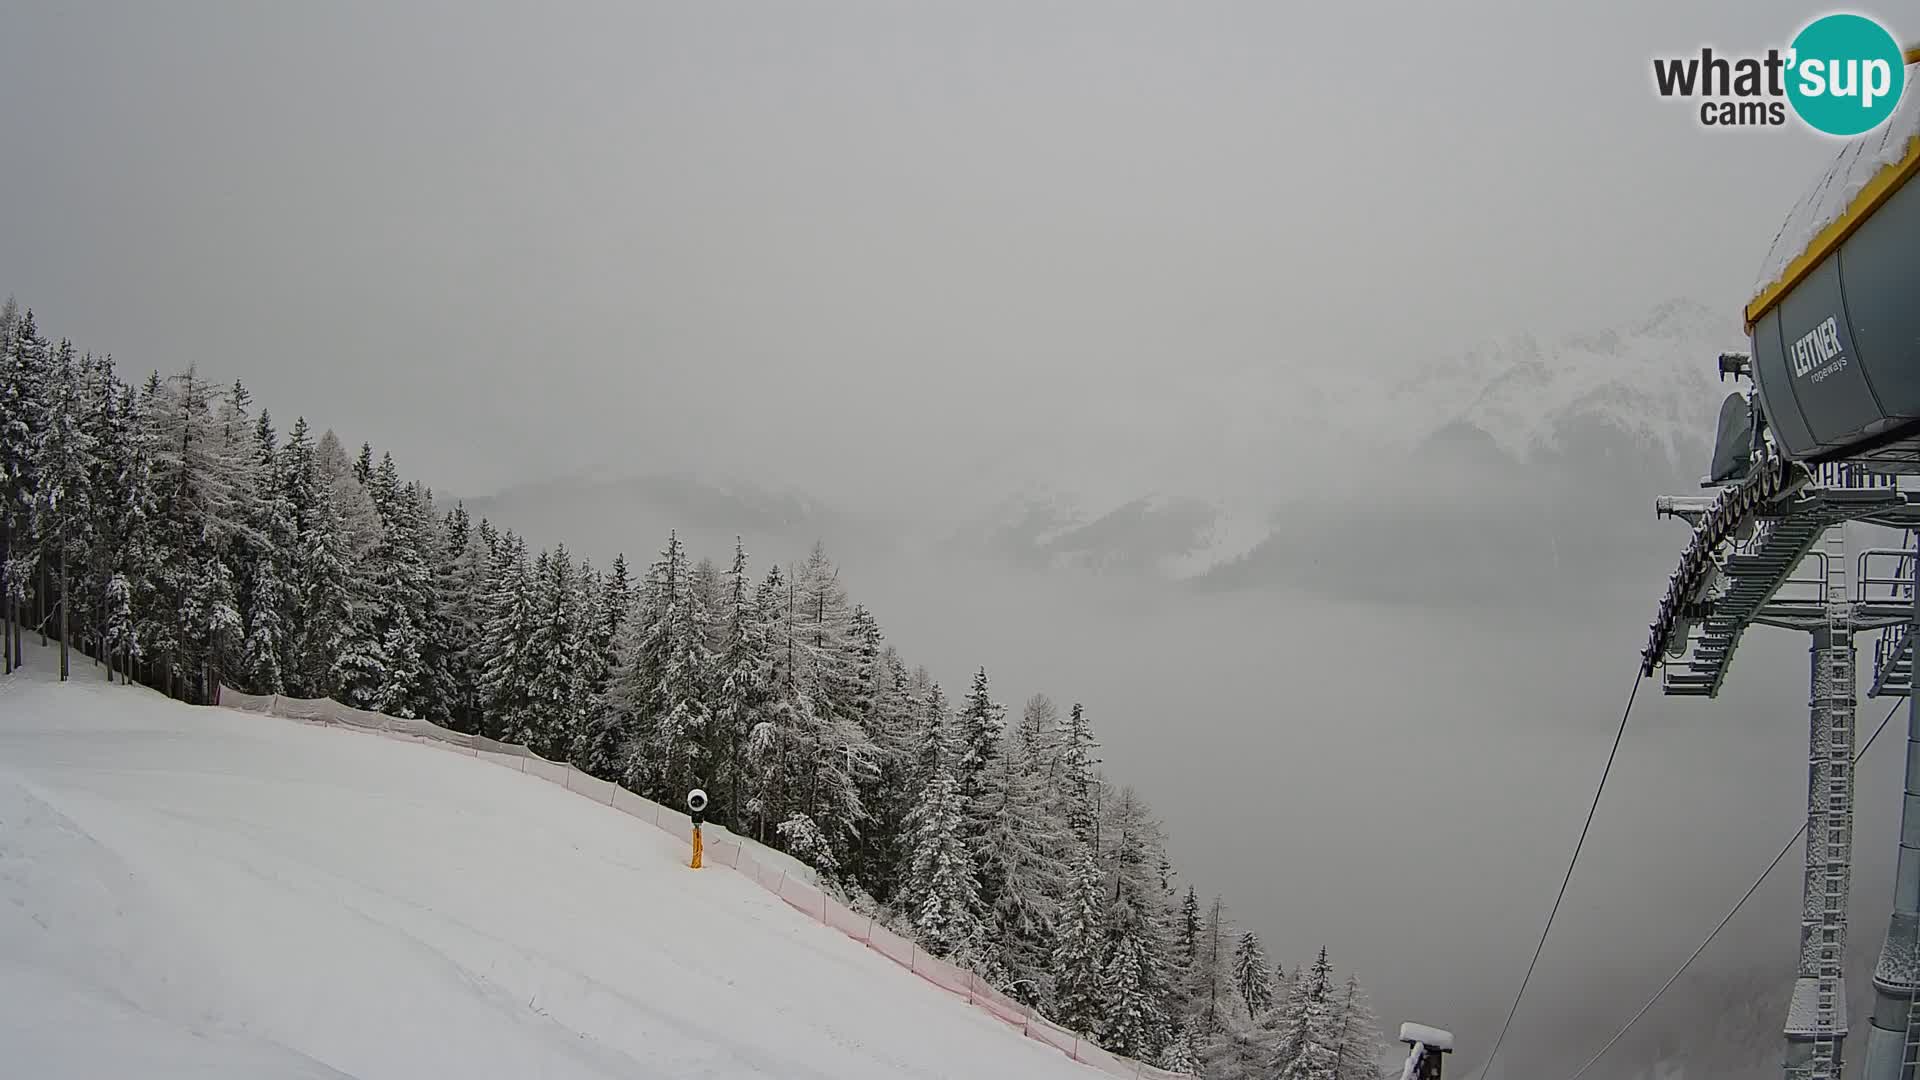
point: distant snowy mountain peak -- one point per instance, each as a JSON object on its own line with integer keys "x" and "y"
{"x": 1647, "y": 389}
{"x": 1165, "y": 534}
{"x": 1176, "y": 478}
{"x": 1682, "y": 318}
{"x": 1653, "y": 381}
{"x": 719, "y": 500}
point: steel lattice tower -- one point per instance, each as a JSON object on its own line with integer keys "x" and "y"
{"x": 1748, "y": 565}
{"x": 1831, "y": 424}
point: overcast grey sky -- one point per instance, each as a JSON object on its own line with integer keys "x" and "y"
{"x": 507, "y": 241}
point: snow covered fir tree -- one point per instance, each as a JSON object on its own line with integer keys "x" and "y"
{"x": 171, "y": 533}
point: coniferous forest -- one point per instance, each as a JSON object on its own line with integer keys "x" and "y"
{"x": 172, "y": 533}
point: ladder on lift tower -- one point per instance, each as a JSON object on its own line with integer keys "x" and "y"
{"x": 1910, "y": 1059}
{"x": 1910, "y": 1051}
{"x": 1907, "y": 573}
{"x": 1836, "y": 858}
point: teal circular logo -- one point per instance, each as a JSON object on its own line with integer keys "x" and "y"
{"x": 1845, "y": 75}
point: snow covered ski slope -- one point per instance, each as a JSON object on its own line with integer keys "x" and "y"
{"x": 189, "y": 892}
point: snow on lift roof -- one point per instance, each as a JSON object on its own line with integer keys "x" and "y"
{"x": 1426, "y": 1036}
{"x": 1865, "y": 174}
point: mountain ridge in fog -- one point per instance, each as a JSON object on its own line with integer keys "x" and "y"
{"x": 1504, "y": 451}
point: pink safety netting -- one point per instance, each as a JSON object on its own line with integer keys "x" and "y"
{"x": 942, "y": 974}
{"x": 674, "y": 822}
{"x": 724, "y": 853}
{"x": 600, "y": 791}
{"x": 848, "y": 922}
{"x": 804, "y": 896}
{"x": 999, "y": 1004}
{"x": 1055, "y": 1036}
{"x": 891, "y": 945}
{"x": 1111, "y": 1064}
{"x": 770, "y": 878}
{"x": 628, "y": 803}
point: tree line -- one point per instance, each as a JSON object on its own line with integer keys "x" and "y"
{"x": 172, "y": 535}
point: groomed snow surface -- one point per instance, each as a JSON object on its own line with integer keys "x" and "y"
{"x": 190, "y": 892}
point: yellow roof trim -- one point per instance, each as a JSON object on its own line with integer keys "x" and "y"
{"x": 1884, "y": 185}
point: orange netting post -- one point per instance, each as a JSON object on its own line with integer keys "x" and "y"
{"x": 696, "y": 847}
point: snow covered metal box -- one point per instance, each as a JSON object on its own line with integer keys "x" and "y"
{"x": 1836, "y": 325}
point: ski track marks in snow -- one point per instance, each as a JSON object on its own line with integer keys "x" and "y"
{"x": 196, "y": 892}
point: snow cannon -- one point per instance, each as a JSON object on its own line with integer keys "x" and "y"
{"x": 1835, "y": 320}
{"x": 696, "y": 806}
{"x": 1429, "y": 1045}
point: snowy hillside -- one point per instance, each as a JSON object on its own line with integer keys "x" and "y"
{"x": 197, "y": 892}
